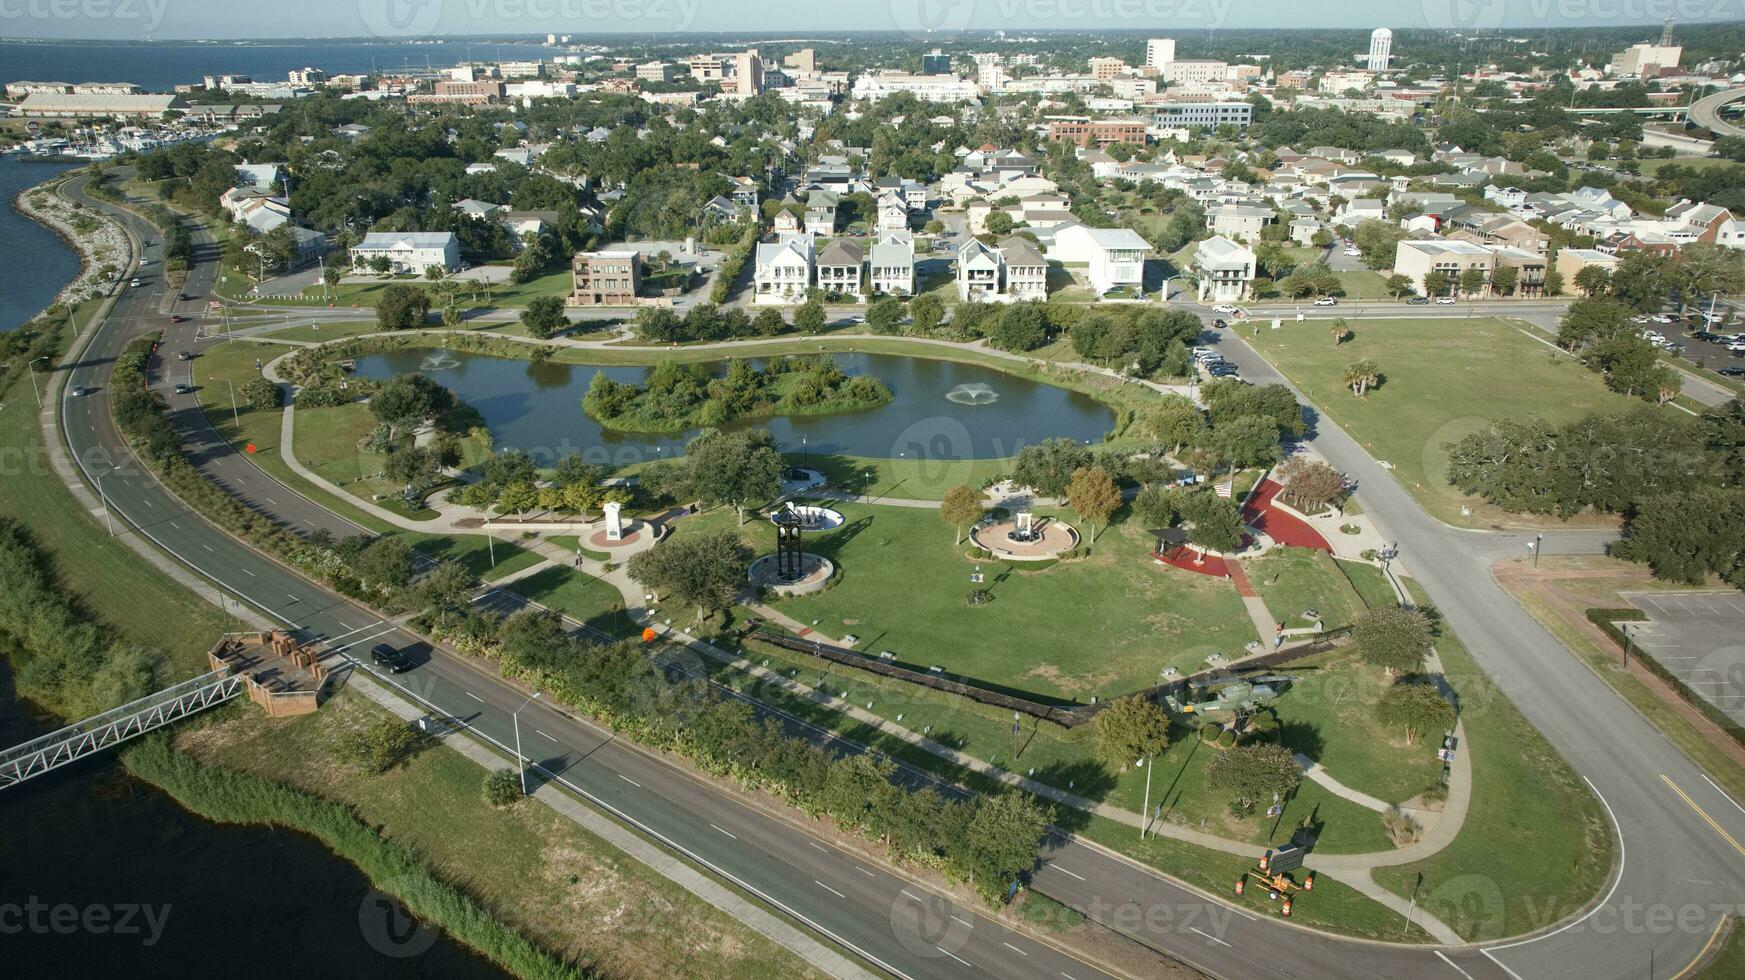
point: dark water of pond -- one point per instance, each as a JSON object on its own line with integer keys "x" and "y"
{"x": 940, "y": 409}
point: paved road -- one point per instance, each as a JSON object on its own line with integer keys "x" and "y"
{"x": 1706, "y": 112}
{"x": 861, "y": 907}
{"x": 1680, "y": 870}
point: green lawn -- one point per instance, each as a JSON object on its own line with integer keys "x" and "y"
{"x": 561, "y": 886}
{"x": 1535, "y": 846}
{"x": 1729, "y": 961}
{"x": 324, "y": 331}
{"x": 508, "y": 295}
{"x": 1295, "y": 580}
{"x": 128, "y": 593}
{"x": 1443, "y": 379}
{"x": 1328, "y": 715}
{"x": 1103, "y": 626}
{"x": 578, "y": 595}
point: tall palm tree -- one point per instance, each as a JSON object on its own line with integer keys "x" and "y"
{"x": 1340, "y": 330}
{"x": 1362, "y": 376}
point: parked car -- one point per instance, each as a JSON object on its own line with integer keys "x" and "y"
{"x": 1705, "y": 335}
{"x": 1418, "y": 301}
{"x": 1353, "y": 252}
{"x": 1732, "y": 372}
{"x": 1445, "y": 301}
{"x": 389, "y": 658}
{"x": 1219, "y": 324}
{"x": 1661, "y": 318}
{"x": 1327, "y": 301}
{"x": 1714, "y": 318}
{"x": 1223, "y": 369}
{"x": 1224, "y": 308}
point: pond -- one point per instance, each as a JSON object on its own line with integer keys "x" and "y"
{"x": 940, "y": 409}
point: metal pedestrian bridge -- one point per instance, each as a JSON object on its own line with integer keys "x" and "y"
{"x": 117, "y": 725}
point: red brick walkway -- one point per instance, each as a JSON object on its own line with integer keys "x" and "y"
{"x": 1240, "y": 579}
{"x": 1285, "y": 528}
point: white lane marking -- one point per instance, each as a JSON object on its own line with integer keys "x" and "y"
{"x": 959, "y": 918}
{"x": 148, "y": 503}
{"x": 251, "y": 574}
{"x": 360, "y": 629}
{"x": 175, "y": 525}
{"x": 827, "y": 888}
{"x": 475, "y": 697}
{"x": 815, "y": 847}
{"x": 1013, "y": 948}
{"x": 270, "y": 500}
{"x": 1068, "y": 976}
{"x": 1208, "y": 935}
{"x": 719, "y": 830}
{"x": 629, "y": 780}
{"x": 1451, "y": 963}
{"x": 956, "y": 957}
{"x": 1500, "y": 963}
{"x": 1066, "y": 872}
{"x": 906, "y": 893}
{"x": 1613, "y": 817}
{"x": 864, "y": 871}
{"x": 208, "y": 548}
{"x": 1723, "y": 793}
{"x": 538, "y": 732}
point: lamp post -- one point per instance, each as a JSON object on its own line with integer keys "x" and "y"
{"x": 490, "y": 539}
{"x": 235, "y": 415}
{"x": 98, "y": 479}
{"x": 33, "y": 388}
{"x": 520, "y": 762}
{"x": 1537, "y": 546}
{"x": 1145, "y": 811}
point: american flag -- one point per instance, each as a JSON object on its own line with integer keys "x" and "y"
{"x": 1223, "y": 489}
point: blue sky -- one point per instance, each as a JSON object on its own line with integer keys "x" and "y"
{"x": 400, "y": 19}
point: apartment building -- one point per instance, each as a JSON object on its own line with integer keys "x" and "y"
{"x": 605, "y": 278}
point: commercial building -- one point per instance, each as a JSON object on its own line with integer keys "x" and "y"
{"x": 1202, "y": 115}
{"x": 935, "y": 62}
{"x": 1159, "y": 51}
{"x": 462, "y": 93}
{"x": 74, "y": 106}
{"x": 1417, "y": 259}
{"x": 928, "y": 88}
{"x": 1572, "y": 260}
{"x": 1084, "y": 131}
{"x": 1381, "y": 49}
{"x": 747, "y": 74}
{"x": 306, "y": 76}
{"x": 1195, "y": 72}
{"x": 412, "y": 251}
{"x": 606, "y": 278}
{"x": 656, "y": 71}
{"x": 1644, "y": 59}
{"x": 1105, "y": 69}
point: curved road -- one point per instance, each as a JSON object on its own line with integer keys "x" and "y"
{"x": 1672, "y": 858}
{"x": 1706, "y": 112}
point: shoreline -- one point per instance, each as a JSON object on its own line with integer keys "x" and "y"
{"x": 93, "y": 250}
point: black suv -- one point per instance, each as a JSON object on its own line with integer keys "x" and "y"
{"x": 390, "y": 659}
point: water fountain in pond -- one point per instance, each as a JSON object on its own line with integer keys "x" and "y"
{"x": 973, "y": 394}
{"x": 439, "y": 360}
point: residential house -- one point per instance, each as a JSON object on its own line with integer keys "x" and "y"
{"x": 1490, "y": 228}
{"x": 605, "y": 278}
{"x": 1304, "y": 230}
{"x": 1529, "y": 268}
{"x": 784, "y": 269}
{"x": 1242, "y": 221}
{"x": 892, "y": 263}
{"x": 745, "y": 192}
{"x": 1026, "y": 270}
{"x": 1354, "y": 213}
{"x": 1225, "y": 270}
{"x": 840, "y": 265}
{"x": 1114, "y": 257}
{"x": 980, "y": 272}
{"x": 821, "y": 212}
{"x": 408, "y": 252}
{"x": 787, "y": 222}
{"x": 893, "y": 212}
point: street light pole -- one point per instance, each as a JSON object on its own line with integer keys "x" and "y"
{"x": 1145, "y": 812}
{"x": 520, "y": 762}
{"x": 1538, "y": 546}
{"x": 235, "y": 415}
{"x": 28, "y": 369}
{"x": 105, "y": 498}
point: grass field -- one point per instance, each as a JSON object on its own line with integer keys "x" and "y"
{"x": 316, "y": 333}
{"x": 1106, "y": 625}
{"x": 1729, "y": 962}
{"x": 1443, "y": 379}
{"x": 1535, "y": 846}
{"x": 1294, "y": 581}
{"x": 578, "y": 595}
{"x": 128, "y": 592}
{"x": 559, "y": 885}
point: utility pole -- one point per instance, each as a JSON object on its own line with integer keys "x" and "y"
{"x": 1145, "y": 812}
{"x": 520, "y": 761}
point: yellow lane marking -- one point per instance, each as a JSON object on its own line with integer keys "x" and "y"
{"x": 1706, "y": 818}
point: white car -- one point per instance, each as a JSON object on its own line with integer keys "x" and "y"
{"x": 1353, "y": 251}
{"x": 1327, "y": 301}
{"x": 1445, "y": 301}
{"x": 136, "y": 284}
{"x": 1661, "y": 318}
{"x": 1224, "y": 308}
{"x": 1713, "y": 318}
{"x": 1736, "y": 347}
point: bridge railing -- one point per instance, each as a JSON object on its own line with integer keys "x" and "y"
{"x": 118, "y": 724}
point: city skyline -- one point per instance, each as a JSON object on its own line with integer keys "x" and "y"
{"x": 167, "y": 20}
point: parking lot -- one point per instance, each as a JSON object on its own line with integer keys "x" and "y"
{"x": 1698, "y": 637}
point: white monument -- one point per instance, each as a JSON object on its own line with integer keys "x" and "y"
{"x": 614, "y": 524}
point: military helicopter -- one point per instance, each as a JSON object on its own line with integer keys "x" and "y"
{"x": 1242, "y": 695}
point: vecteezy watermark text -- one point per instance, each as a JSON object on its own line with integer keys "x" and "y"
{"x": 421, "y": 18}
{"x": 39, "y": 918}
{"x": 149, "y": 13}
